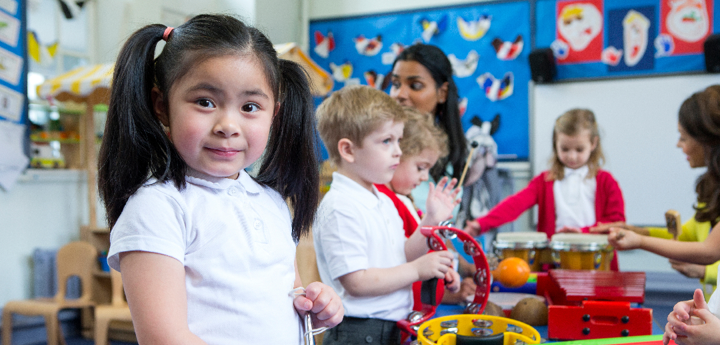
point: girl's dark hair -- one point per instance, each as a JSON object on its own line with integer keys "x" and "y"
{"x": 136, "y": 148}
{"x": 446, "y": 114}
{"x": 699, "y": 115}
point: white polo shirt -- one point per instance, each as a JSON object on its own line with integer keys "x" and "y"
{"x": 356, "y": 229}
{"x": 575, "y": 199}
{"x": 234, "y": 239}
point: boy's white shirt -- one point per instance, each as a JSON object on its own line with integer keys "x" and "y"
{"x": 575, "y": 199}
{"x": 234, "y": 239}
{"x": 356, "y": 229}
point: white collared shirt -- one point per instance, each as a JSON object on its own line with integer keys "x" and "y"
{"x": 234, "y": 239}
{"x": 356, "y": 229}
{"x": 575, "y": 199}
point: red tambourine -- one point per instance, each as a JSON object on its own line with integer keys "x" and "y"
{"x": 482, "y": 278}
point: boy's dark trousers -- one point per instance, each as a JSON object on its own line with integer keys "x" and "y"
{"x": 358, "y": 331}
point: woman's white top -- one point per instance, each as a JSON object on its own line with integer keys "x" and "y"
{"x": 234, "y": 239}
{"x": 575, "y": 199}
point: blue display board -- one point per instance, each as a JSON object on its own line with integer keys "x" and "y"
{"x": 625, "y": 38}
{"x": 488, "y": 42}
{"x": 13, "y": 62}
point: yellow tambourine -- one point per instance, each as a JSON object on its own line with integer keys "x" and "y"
{"x": 469, "y": 329}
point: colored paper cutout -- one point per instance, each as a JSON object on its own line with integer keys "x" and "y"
{"x": 324, "y": 44}
{"x": 389, "y": 57}
{"x": 664, "y": 45}
{"x": 496, "y": 89}
{"x": 688, "y": 22}
{"x": 373, "y": 79}
{"x": 506, "y": 50}
{"x": 433, "y": 28}
{"x": 611, "y": 56}
{"x": 464, "y": 68}
{"x": 341, "y": 72}
{"x": 580, "y": 25}
{"x": 368, "y": 46}
{"x": 463, "y": 105}
{"x": 635, "y": 36}
{"x": 473, "y": 30}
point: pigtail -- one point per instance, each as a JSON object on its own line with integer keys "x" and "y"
{"x": 291, "y": 160}
{"x": 135, "y": 145}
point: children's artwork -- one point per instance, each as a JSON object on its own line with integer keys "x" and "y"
{"x": 9, "y": 29}
{"x": 324, "y": 44}
{"x": 623, "y": 38}
{"x": 11, "y": 103}
{"x": 341, "y": 72}
{"x": 686, "y": 23}
{"x": 580, "y": 26}
{"x": 11, "y": 67}
{"x": 373, "y": 79}
{"x": 389, "y": 57}
{"x": 9, "y": 6}
{"x": 368, "y": 46}
{"x": 464, "y": 68}
{"x": 433, "y": 28}
{"x": 473, "y": 30}
{"x": 630, "y": 28}
{"x": 496, "y": 89}
{"x": 489, "y": 62}
{"x": 506, "y": 50}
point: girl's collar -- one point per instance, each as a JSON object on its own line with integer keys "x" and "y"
{"x": 198, "y": 178}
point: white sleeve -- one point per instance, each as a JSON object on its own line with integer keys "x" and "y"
{"x": 151, "y": 221}
{"x": 714, "y": 303}
{"x": 344, "y": 243}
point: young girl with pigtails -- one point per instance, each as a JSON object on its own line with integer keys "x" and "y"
{"x": 207, "y": 252}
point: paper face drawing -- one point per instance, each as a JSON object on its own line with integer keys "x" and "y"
{"x": 578, "y": 24}
{"x": 688, "y": 20}
{"x": 635, "y": 37}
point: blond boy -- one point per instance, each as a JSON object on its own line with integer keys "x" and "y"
{"x": 359, "y": 239}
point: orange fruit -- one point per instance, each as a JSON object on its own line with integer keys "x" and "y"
{"x": 512, "y": 272}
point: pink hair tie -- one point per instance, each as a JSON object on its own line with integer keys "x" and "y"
{"x": 167, "y": 32}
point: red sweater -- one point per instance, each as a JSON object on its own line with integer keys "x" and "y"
{"x": 609, "y": 205}
{"x": 409, "y": 222}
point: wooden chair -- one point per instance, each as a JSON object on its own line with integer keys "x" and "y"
{"x": 73, "y": 259}
{"x": 116, "y": 310}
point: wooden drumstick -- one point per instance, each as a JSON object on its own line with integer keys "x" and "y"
{"x": 474, "y": 145}
{"x": 672, "y": 218}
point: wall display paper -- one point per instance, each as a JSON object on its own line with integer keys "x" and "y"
{"x": 487, "y": 43}
{"x": 624, "y": 38}
{"x": 13, "y": 83}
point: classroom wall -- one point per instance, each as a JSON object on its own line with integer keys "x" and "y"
{"x": 46, "y": 209}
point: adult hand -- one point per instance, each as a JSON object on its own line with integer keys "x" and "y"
{"x": 472, "y": 227}
{"x": 624, "y": 239}
{"x": 687, "y": 269}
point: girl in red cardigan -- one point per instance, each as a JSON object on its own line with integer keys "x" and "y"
{"x": 575, "y": 194}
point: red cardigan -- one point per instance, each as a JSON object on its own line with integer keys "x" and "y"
{"x": 409, "y": 222}
{"x": 609, "y": 205}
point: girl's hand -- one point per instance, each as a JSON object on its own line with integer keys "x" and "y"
{"x": 452, "y": 281}
{"x": 323, "y": 302}
{"x": 624, "y": 239}
{"x": 441, "y": 201}
{"x": 569, "y": 229}
{"x": 687, "y": 269}
{"x": 472, "y": 227}
{"x": 433, "y": 265}
{"x": 463, "y": 295}
{"x": 692, "y": 323}
{"x": 604, "y": 228}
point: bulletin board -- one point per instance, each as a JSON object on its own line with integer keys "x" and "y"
{"x": 625, "y": 38}
{"x": 488, "y": 44}
{"x": 13, "y": 86}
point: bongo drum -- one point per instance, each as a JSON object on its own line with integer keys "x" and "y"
{"x": 530, "y": 246}
{"x": 581, "y": 251}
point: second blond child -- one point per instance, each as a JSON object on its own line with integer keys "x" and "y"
{"x": 358, "y": 235}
